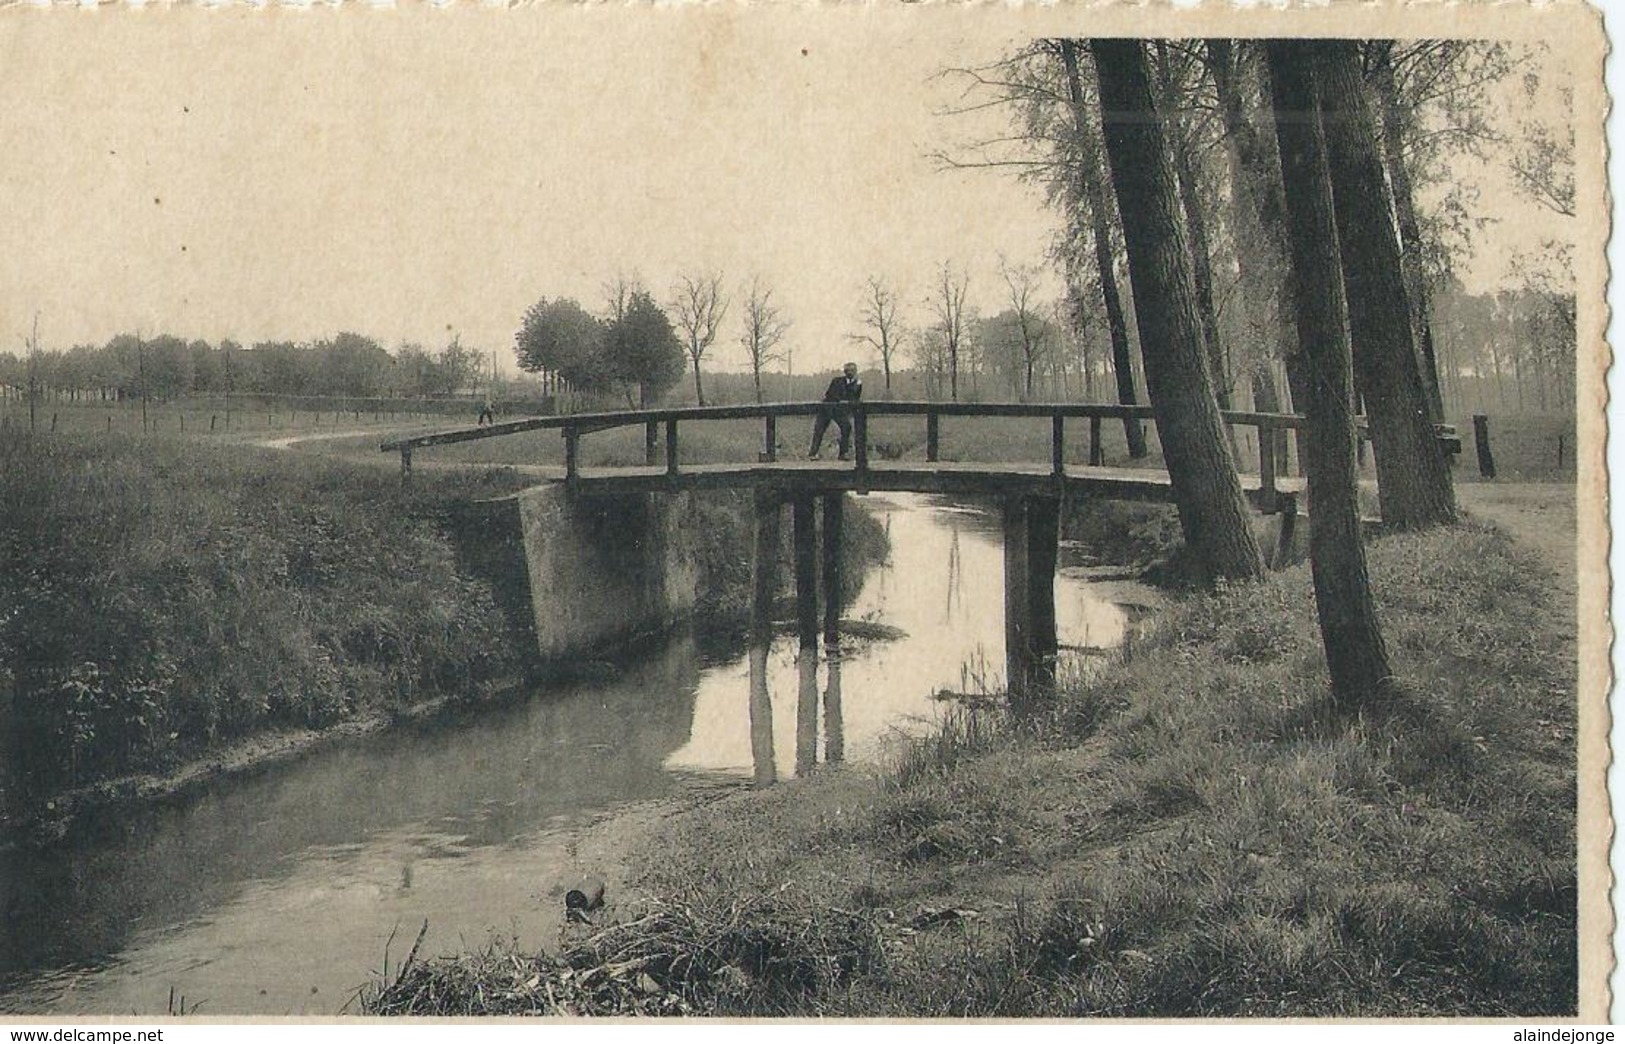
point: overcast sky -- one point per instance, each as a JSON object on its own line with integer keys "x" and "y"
{"x": 408, "y": 173}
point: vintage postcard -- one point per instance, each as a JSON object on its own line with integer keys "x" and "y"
{"x": 861, "y": 511}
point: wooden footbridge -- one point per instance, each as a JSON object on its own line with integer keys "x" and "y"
{"x": 663, "y": 471}
{"x": 1031, "y": 492}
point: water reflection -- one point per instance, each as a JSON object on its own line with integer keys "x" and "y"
{"x": 806, "y": 709}
{"x": 254, "y": 894}
{"x": 834, "y": 735}
{"x": 942, "y": 588}
{"x": 761, "y": 719}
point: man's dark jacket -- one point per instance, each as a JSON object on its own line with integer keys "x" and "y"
{"x": 843, "y": 390}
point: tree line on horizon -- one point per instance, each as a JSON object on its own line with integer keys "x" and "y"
{"x": 164, "y": 367}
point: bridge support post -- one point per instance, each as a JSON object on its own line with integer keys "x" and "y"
{"x": 572, "y": 456}
{"x": 764, "y": 567}
{"x": 933, "y": 437}
{"x": 764, "y": 590}
{"x": 1031, "y": 547}
{"x": 804, "y": 538}
{"x": 651, "y": 439}
{"x": 832, "y": 568}
{"x": 1096, "y": 457}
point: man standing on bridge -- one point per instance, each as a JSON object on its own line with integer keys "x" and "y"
{"x": 842, "y": 391}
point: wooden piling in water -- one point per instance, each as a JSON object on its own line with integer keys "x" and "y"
{"x": 764, "y": 566}
{"x": 1016, "y": 624}
{"x": 1031, "y": 549}
{"x": 833, "y": 503}
{"x": 1043, "y": 553}
{"x": 805, "y": 539}
{"x": 764, "y": 575}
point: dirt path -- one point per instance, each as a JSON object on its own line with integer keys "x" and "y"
{"x": 1538, "y": 515}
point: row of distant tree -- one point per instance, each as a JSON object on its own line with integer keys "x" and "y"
{"x": 165, "y": 367}
{"x": 1512, "y": 350}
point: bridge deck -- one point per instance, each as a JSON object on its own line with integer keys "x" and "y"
{"x": 917, "y": 477}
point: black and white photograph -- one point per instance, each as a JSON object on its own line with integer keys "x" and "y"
{"x": 782, "y": 512}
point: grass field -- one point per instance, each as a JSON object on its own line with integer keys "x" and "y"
{"x": 203, "y": 418}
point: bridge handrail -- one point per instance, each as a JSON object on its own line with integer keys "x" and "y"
{"x": 575, "y": 425}
{"x": 605, "y": 420}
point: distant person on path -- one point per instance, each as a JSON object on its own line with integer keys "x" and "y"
{"x": 487, "y": 415}
{"x": 838, "y": 397}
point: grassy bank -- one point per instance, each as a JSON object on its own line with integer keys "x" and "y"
{"x": 168, "y": 599}
{"x": 1190, "y": 834}
{"x": 171, "y": 596}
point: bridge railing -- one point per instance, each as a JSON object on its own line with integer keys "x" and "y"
{"x": 575, "y": 426}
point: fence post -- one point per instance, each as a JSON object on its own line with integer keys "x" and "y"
{"x": 671, "y": 446}
{"x": 933, "y": 437}
{"x": 572, "y": 455}
{"x": 770, "y": 449}
{"x": 651, "y": 438}
{"x": 1267, "y": 495}
{"x": 860, "y": 422}
{"x": 1096, "y": 457}
{"x": 1481, "y": 436}
{"x": 1057, "y": 445}
{"x": 406, "y": 463}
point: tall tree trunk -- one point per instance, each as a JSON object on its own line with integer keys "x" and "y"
{"x": 1413, "y": 477}
{"x": 1356, "y": 656}
{"x": 1410, "y": 230}
{"x": 1260, "y": 220}
{"x": 1212, "y": 512}
{"x": 1196, "y": 221}
{"x": 699, "y": 392}
{"x": 1100, "y": 227}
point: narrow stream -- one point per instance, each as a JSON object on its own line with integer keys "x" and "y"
{"x": 275, "y": 893}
